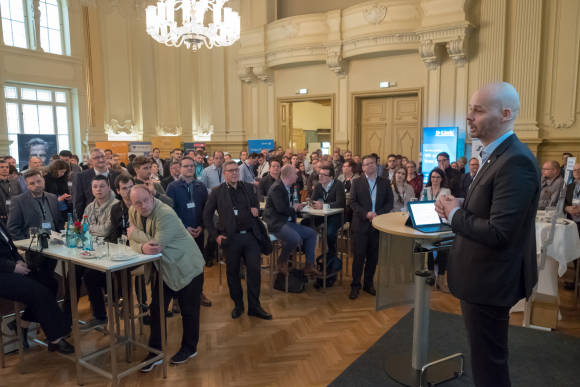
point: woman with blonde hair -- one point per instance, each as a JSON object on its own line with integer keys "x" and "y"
{"x": 402, "y": 191}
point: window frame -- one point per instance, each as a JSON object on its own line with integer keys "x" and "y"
{"x": 19, "y": 101}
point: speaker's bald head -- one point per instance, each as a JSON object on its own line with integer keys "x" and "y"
{"x": 504, "y": 96}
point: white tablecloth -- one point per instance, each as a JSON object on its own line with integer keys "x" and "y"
{"x": 565, "y": 246}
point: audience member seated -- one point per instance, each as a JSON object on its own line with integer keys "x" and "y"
{"x": 329, "y": 191}
{"x": 56, "y": 182}
{"x": 552, "y": 183}
{"x": 280, "y": 216}
{"x": 8, "y": 189}
{"x": 402, "y": 192}
{"x": 467, "y": 178}
{"x": 98, "y": 213}
{"x": 156, "y": 229}
{"x": 269, "y": 179}
{"x": 18, "y": 283}
{"x": 572, "y": 202}
{"x": 452, "y": 175}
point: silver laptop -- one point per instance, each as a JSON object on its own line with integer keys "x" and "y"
{"x": 425, "y": 218}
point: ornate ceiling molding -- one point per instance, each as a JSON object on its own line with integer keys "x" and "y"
{"x": 368, "y": 28}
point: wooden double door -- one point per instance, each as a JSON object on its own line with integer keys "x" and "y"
{"x": 390, "y": 125}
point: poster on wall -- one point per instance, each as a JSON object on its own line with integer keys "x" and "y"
{"x": 38, "y": 145}
{"x": 140, "y": 148}
{"x": 120, "y": 148}
{"x": 257, "y": 145}
{"x": 435, "y": 141}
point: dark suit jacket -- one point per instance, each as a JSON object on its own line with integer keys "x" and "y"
{"x": 219, "y": 199}
{"x": 454, "y": 181}
{"x": 265, "y": 183}
{"x": 82, "y": 192}
{"x": 15, "y": 190}
{"x": 8, "y": 252}
{"x": 278, "y": 210}
{"x": 464, "y": 184}
{"x": 336, "y": 196}
{"x": 493, "y": 259}
{"x": 361, "y": 202}
{"x": 25, "y": 213}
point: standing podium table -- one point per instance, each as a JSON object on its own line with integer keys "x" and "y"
{"x": 403, "y": 278}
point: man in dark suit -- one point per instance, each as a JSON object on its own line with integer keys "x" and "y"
{"x": 174, "y": 171}
{"x": 237, "y": 206}
{"x": 280, "y": 216}
{"x": 452, "y": 174}
{"x": 329, "y": 191}
{"x": 8, "y": 189}
{"x": 492, "y": 263}
{"x": 34, "y": 208}
{"x": 370, "y": 195}
{"x": 82, "y": 192}
{"x": 468, "y": 177}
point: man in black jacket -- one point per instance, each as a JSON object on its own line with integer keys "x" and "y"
{"x": 267, "y": 181}
{"x": 453, "y": 175}
{"x": 329, "y": 191}
{"x": 17, "y": 283}
{"x": 280, "y": 216}
{"x": 82, "y": 192}
{"x": 8, "y": 189}
{"x": 492, "y": 264}
{"x": 370, "y": 195}
{"x": 237, "y": 207}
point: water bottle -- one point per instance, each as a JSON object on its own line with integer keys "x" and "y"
{"x": 87, "y": 240}
{"x": 296, "y": 198}
{"x": 424, "y": 196}
{"x": 71, "y": 240}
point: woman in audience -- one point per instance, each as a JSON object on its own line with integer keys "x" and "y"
{"x": 56, "y": 182}
{"x": 402, "y": 192}
{"x": 348, "y": 174}
{"x": 302, "y": 177}
{"x": 436, "y": 185}
{"x": 414, "y": 179}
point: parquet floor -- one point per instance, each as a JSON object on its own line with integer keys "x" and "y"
{"x": 314, "y": 336}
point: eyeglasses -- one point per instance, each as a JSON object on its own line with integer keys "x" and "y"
{"x": 323, "y": 174}
{"x": 231, "y": 170}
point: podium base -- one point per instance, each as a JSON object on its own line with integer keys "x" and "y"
{"x": 439, "y": 369}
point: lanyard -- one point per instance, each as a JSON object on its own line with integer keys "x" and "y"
{"x": 219, "y": 171}
{"x": 373, "y": 188}
{"x": 40, "y": 203}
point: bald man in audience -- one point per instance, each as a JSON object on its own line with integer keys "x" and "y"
{"x": 492, "y": 264}
{"x": 552, "y": 183}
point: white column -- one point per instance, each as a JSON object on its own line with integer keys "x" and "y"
{"x": 433, "y": 94}
{"x": 492, "y": 40}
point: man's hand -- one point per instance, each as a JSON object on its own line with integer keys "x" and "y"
{"x": 130, "y": 230}
{"x": 63, "y": 197}
{"x": 445, "y": 204}
{"x": 254, "y": 211}
{"x": 220, "y": 238}
{"x": 371, "y": 215}
{"x": 151, "y": 248}
{"x": 298, "y": 206}
{"x": 194, "y": 232}
{"x": 21, "y": 268}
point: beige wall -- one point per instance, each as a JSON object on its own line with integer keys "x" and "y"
{"x": 446, "y": 48}
{"x": 311, "y": 116}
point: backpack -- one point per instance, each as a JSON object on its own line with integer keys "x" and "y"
{"x": 296, "y": 281}
{"x": 333, "y": 265}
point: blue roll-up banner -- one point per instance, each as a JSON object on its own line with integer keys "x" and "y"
{"x": 258, "y": 145}
{"x": 140, "y": 148}
{"x": 435, "y": 141}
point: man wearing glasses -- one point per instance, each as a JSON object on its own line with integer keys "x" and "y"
{"x": 452, "y": 174}
{"x": 82, "y": 192}
{"x": 237, "y": 206}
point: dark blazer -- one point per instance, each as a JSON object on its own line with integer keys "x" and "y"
{"x": 166, "y": 181}
{"x": 361, "y": 202}
{"x": 454, "y": 181}
{"x": 219, "y": 199}
{"x": 14, "y": 190}
{"x": 8, "y": 252}
{"x": 24, "y": 213}
{"x": 464, "y": 184}
{"x": 336, "y": 196}
{"x": 177, "y": 192}
{"x": 119, "y": 221}
{"x": 265, "y": 183}
{"x": 493, "y": 259}
{"x": 278, "y": 209}
{"x": 82, "y": 192}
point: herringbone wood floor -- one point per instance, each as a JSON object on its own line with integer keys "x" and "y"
{"x": 312, "y": 339}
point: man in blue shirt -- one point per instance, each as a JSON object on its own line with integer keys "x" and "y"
{"x": 189, "y": 197}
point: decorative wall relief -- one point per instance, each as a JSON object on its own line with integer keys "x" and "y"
{"x": 116, "y": 128}
{"x": 169, "y": 131}
{"x": 375, "y": 14}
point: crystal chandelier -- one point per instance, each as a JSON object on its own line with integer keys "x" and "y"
{"x": 163, "y": 23}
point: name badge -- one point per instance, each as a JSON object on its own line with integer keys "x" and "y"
{"x": 46, "y": 226}
{"x": 235, "y": 211}
{"x": 8, "y": 203}
{"x": 69, "y": 184}
{"x": 191, "y": 205}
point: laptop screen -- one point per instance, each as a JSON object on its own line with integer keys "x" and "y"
{"x": 424, "y": 213}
